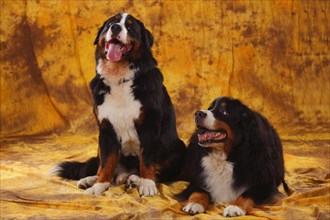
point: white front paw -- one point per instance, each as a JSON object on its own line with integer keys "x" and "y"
{"x": 193, "y": 208}
{"x": 147, "y": 187}
{"x": 97, "y": 188}
{"x": 121, "y": 178}
{"x": 133, "y": 181}
{"x": 233, "y": 211}
{"x": 87, "y": 182}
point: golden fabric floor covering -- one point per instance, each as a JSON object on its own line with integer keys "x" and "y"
{"x": 28, "y": 193}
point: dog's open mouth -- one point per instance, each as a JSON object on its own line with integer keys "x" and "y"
{"x": 115, "y": 49}
{"x": 206, "y": 136}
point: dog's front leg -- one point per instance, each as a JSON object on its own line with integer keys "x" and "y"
{"x": 147, "y": 185}
{"x": 238, "y": 207}
{"x": 197, "y": 203}
{"x": 109, "y": 148}
{"x": 104, "y": 176}
{"x": 146, "y": 182}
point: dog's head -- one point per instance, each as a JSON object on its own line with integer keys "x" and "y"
{"x": 122, "y": 37}
{"x": 246, "y": 139}
{"x": 218, "y": 127}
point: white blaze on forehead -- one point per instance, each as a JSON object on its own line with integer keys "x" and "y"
{"x": 123, "y": 18}
{"x": 123, "y": 34}
{"x": 209, "y": 120}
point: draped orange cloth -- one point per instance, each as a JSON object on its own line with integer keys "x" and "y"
{"x": 273, "y": 55}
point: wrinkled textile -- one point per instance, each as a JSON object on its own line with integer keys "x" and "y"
{"x": 273, "y": 55}
{"x": 26, "y": 190}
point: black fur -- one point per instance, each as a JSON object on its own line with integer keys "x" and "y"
{"x": 256, "y": 153}
{"x": 157, "y": 129}
{"x": 98, "y": 88}
{"x": 77, "y": 170}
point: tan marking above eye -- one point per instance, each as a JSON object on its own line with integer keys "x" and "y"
{"x": 118, "y": 17}
{"x": 223, "y": 104}
{"x": 129, "y": 21}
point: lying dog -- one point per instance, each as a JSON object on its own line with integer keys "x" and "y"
{"x": 137, "y": 124}
{"x": 235, "y": 156}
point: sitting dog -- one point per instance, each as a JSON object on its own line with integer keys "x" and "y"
{"x": 235, "y": 156}
{"x": 136, "y": 118}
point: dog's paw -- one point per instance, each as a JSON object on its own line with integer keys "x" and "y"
{"x": 193, "y": 208}
{"x": 87, "y": 182}
{"x": 133, "y": 181}
{"x": 147, "y": 187}
{"x": 97, "y": 188}
{"x": 121, "y": 178}
{"x": 233, "y": 211}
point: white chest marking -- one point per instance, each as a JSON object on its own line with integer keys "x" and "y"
{"x": 219, "y": 177}
{"x": 121, "y": 109}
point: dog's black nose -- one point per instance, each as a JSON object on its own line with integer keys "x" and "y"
{"x": 200, "y": 115}
{"x": 115, "y": 29}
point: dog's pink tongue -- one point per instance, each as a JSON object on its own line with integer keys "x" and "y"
{"x": 210, "y": 135}
{"x": 114, "y": 54}
{"x": 204, "y": 137}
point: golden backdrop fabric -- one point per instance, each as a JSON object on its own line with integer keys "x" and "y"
{"x": 273, "y": 55}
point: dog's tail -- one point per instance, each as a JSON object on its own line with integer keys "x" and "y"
{"x": 75, "y": 170}
{"x": 287, "y": 188}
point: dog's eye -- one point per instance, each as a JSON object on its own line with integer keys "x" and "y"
{"x": 131, "y": 30}
{"x": 224, "y": 112}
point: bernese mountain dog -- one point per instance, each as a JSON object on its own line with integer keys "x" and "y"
{"x": 136, "y": 118}
{"x": 235, "y": 156}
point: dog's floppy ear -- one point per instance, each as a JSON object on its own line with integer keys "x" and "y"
{"x": 261, "y": 143}
{"x": 243, "y": 110}
{"x": 149, "y": 39}
{"x": 101, "y": 29}
{"x": 253, "y": 130}
{"x": 146, "y": 37}
{"x": 249, "y": 120}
